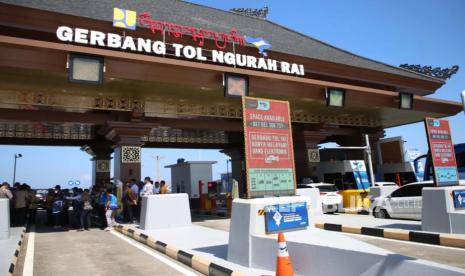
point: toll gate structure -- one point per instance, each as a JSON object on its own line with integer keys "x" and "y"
{"x": 151, "y": 92}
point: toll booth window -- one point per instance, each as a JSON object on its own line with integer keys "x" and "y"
{"x": 349, "y": 182}
{"x": 408, "y": 177}
{"x": 406, "y": 191}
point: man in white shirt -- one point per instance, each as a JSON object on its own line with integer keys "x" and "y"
{"x": 148, "y": 187}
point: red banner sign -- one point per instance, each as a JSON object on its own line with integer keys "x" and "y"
{"x": 198, "y": 35}
{"x": 269, "y": 149}
{"x": 442, "y": 152}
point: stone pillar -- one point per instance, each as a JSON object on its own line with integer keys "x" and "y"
{"x": 101, "y": 165}
{"x": 128, "y": 139}
{"x": 237, "y": 157}
{"x": 127, "y": 161}
{"x": 303, "y": 141}
{"x": 100, "y": 150}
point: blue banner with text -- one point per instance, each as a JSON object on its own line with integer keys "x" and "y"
{"x": 281, "y": 217}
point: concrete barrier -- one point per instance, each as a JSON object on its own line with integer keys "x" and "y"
{"x": 14, "y": 261}
{"x": 438, "y": 213}
{"x": 4, "y": 218}
{"x": 165, "y": 211}
{"x": 313, "y": 250}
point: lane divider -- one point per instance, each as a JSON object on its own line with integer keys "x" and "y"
{"x": 195, "y": 262}
{"x": 11, "y": 270}
{"x": 450, "y": 240}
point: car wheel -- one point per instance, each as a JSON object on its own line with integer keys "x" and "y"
{"x": 380, "y": 213}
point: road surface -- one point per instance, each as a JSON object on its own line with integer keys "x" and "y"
{"x": 95, "y": 252}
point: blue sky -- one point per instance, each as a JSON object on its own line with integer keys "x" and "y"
{"x": 426, "y": 32}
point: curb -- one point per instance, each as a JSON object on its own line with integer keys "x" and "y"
{"x": 450, "y": 240}
{"x": 195, "y": 262}
{"x": 15, "y": 256}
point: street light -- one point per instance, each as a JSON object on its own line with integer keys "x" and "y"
{"x": 18, "y": 155}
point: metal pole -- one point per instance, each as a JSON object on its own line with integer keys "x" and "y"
{"x": 370, "y": 164}
{"x": 227, "y": 173}
{"x": 463, "y": 100}
{"x": 14, "y": 172}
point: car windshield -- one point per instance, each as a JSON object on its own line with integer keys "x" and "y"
{"x": 327, "y": 189}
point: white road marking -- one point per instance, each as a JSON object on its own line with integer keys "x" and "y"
{"x": 28, "y": 268}
{"x": 154, "y": 254}
{"x": 406, "y": 242}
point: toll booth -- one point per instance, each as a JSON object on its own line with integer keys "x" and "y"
{"x": 191, "y": 177}
{"x": 394, "y": 162}
{"x": 351, "y": 179}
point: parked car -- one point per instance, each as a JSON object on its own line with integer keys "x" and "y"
{"x": 330, "y": 197}
{"x": 405, "y": 202}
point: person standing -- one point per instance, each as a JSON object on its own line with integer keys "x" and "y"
{"x": 148, "y": 187}
{"x": 135, "y": 189}
{"x": 163, "y": 187}
{"x": 129, "y": 200}
{"x": 57, "y": 209}
{"x": 33, "y": 204}
{"x": 48, "y": 206}
{"x": 76, "y": 202}
{"x": 20, "y": 205}
{"x": 111, "y": 205}
{"x": 5, "y": 191}
{"x": 156, "y": 188}
{"x": 86, "y": 210}
{"x": 101, "y": 208}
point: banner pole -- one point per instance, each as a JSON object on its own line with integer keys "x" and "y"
{"x": 370, "y": 163}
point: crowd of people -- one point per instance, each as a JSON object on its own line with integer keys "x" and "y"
{"x": 77, "y": 207}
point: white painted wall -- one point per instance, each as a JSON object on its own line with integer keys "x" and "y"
{"x": 4, "y": 218}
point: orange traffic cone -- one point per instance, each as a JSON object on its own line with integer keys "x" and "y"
{"x": 283, "y": 262}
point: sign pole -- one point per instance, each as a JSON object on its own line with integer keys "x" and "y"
{"x": 370, "y": 163}
{"x": 463, "y": 100}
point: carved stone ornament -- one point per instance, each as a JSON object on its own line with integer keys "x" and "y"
{"x": 260, "y": 13}
{"x": 436, "y": 72}
{"x": 102, "y": 165}
{"x": 130, "y": 154}
{"x": 313, "y": 155}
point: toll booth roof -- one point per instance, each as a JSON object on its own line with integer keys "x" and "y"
{"x": 186, "y": 163}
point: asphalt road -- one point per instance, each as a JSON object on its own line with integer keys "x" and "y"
{"x": 439, "y": 254}
{"x": 97, "y": 252}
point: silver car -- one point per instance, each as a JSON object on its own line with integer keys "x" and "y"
{"x": 404, "y": 202}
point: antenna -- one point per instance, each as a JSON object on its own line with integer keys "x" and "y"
{"x": 157, "y": 159}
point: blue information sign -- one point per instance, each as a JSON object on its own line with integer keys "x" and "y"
{"x": 459, "y": 198}
{"x": 281, "y": 217}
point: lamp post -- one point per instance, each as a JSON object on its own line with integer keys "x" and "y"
{"x": 227, "y": 173}
{"x": 18, "y": 155}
